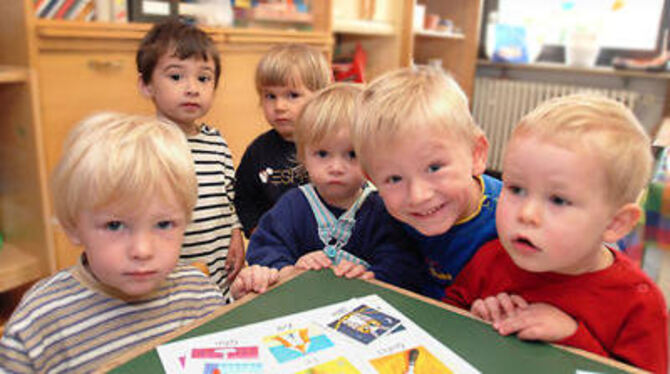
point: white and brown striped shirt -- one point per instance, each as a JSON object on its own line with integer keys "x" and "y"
{"x": 71, "y": 323}
{"x": 207, "y": 238}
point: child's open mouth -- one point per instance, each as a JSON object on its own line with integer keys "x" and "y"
{"x": 525, "y": 244}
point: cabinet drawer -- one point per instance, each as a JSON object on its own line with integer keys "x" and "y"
{"x": 74, "y": 85}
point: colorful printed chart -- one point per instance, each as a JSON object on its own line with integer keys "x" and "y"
{"x": 361, "y": 335}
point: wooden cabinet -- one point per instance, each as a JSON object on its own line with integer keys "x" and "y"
{"x": 27, "y": 252}
{"x": 55, "y": 73}
{"x": 377, "y": 25}
{"x": 388, "y": 35}
{"x": 83, "y": 68}
{"x": 89, "y": 67}
{"x": 457, "y": 50}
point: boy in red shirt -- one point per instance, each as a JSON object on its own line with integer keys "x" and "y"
{"x": 572, "y": 172}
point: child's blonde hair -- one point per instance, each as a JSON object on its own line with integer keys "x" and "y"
{"x": 285, "y": 64}
{"x": 411, "y": 100}
{"x": 605, "y": 128}
{"x": 112, "y": 157}
{"x": 325, "y": 114}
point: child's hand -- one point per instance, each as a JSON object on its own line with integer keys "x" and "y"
{"x": 235, "y": 259}
{"x": 538, "y": 321}
{"x": 497, "y": 308}
{"x": 316, "y": 260}
{"x": 350, "y": 270}
{"x": 254, "y": 278}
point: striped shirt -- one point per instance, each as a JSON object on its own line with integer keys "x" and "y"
{"x": 207, "y": 238}
{"x": 71, "y": 323}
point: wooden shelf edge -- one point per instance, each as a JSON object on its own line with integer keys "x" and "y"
{"x": 559, "y": 67}
{"x": 438, "y": 34}
{"x": 101, "y": 31}
{"x": 13, "y": 74}
{"x": 17, "y": 267}
{"x": 363, "y": 27}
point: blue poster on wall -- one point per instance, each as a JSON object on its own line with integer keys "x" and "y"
{"x": 510, "y": 44}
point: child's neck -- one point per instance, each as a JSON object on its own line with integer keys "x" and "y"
{"x": 187, "y": 128}
{"x": 343, "y": 203}
{"x": 604, "y": 260}
{"x": 476, "y": 193}
{"x": 600, "y": 260}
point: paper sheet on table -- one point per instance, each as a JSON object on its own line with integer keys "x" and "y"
{"x": 360, "y": 335}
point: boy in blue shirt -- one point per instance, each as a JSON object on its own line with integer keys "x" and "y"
{"x": 418, "y": 143}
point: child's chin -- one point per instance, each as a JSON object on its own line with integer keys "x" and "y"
{"x": 529, "y": 266}
{"x": 432, "y": 230}
{"x": 136, "y": 291}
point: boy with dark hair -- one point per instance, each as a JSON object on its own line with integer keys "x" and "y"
{"x": 179, "y": 70}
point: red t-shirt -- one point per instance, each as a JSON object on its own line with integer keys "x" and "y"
{"x": 620, "y": 312}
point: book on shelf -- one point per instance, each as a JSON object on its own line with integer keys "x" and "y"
{"x": 83, "y": 10}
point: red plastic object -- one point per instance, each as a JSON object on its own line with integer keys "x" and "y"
{"x": 353, "y": 71}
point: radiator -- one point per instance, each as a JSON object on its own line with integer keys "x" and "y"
{"x": 499, "y": 104}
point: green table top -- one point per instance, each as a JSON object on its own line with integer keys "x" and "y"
{"x": 473, "y": 340}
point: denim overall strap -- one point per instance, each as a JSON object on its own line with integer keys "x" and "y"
{"x": 334, "y": 232}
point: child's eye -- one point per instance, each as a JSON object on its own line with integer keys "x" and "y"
{"x": 559, "y": 201}
{"x": 294, "y": 95}
{"x": 352, "y": 155}
{"x": 269, "y": 96}
{"x": 393, "y": 179}
{"x": 434, "y": 168}
{"x": 165, "y": 225}
{"x": 175, "y": 77}
{"x": 516, "y": 190}
{"x": 204, "y": 78}
{"x": 321, "y": 153}
{"x": 114, "y": 225}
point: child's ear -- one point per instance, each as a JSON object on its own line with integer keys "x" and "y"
{"x": 73, "y": 235}
{"x": 146, "y": 89}
{"x": 623, "y": 221}
{"x": 480, "y": 152}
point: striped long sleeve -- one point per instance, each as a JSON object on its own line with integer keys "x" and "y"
{"x": 70, "y": 323}
{"x": 207, "y": 238}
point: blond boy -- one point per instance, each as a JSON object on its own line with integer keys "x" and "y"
{"x": 129, "y": 213}
{"x": 572, "y": 172}
{"x": 418, "y": 143}
{"x": 286, "y": 77}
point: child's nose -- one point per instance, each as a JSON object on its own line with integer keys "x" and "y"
{"x": 281, "y": 104}
{"x": 336, "y": 166}
{"x": 530, "y": 212}
{"x": 141, "y": 247}
{"x": 418, "y": 191}
{"x": 192, "y": 87}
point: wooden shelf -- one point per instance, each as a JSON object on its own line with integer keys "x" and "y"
{"x": 362, "y": 27}
{"x": 13, "y": 74}
{"x": 438, "y": 34}
{"x": 17, "y": 267}
{"x": 558, "y": 67}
